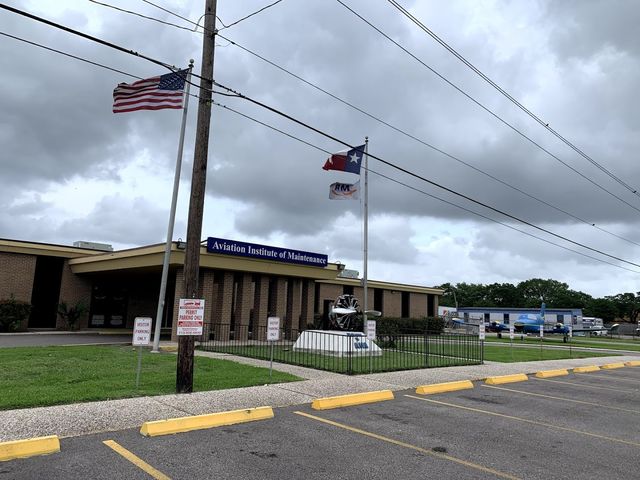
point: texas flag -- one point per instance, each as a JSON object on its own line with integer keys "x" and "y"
{"x": 346, "y": 160}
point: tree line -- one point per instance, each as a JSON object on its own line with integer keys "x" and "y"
{"x": 531, "y": 293}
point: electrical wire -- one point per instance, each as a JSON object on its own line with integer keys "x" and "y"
{"x": 326, "y": 135}
{"x": 430, "y": 195}
{"x": 420, "y": 177}
{"x": 521, "y": 191}
{"x": 487, "y": 109}
{"x": 130, "y": 12}
{"x": 250, "y": 15}
{"x": 425, "y": 143}
{"x": 70, "y": 55}
{"x": 459, "y": 56}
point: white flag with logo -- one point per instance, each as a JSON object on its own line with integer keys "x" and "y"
{"x": 344, "y": 191}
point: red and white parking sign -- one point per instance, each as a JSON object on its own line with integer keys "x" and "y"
{"x": 190, "y": 316}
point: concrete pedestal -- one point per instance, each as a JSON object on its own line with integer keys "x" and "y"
{"x": 336, "y": 343}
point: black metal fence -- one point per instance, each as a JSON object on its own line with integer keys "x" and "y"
{"x": 349, "y": 353}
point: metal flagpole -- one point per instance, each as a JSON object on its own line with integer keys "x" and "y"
{"x": 172, "y": 217}
{"x": 366, "y": 231}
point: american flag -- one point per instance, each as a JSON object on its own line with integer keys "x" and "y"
{"x": 157, "y": 93}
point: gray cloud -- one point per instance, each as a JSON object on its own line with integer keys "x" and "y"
{"x": 576, "y": 64}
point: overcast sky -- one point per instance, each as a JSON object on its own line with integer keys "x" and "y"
{"x": 72, "y": 170}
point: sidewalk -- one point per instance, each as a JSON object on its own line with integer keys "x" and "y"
{"x": 94, "y": 417}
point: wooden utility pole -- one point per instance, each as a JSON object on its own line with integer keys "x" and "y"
{"x": 184, "y": 373}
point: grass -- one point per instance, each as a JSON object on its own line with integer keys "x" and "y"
{"x": 391, "y": 360}
{"x": 583, "y": 342}
{"x": 41, "y": 376}
{"x": 494, "y": 353}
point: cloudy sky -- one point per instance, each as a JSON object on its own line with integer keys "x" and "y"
{"x": 72, "y": 170}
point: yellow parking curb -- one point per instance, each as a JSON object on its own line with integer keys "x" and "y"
{"x": 611, "y": 366}
{"x": 551, "y": 373}
{"x": 633, "y": 363}
{"x": 518, "y": 377}
{"x": 352, "y": 399}
{"x": 29, "y": 447}
{"x": 587, "y": 369}
{"x": 210, "y": 420}
{"x": 443, "y": 387}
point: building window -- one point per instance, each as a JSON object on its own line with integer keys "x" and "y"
{"x": 505, "y": 318}
{"x": 560, "y": 318}
{"x": 487, "y": 317}
{"x": 466, "y": 317}
{"x": 378, "y": 299}
{"x": 405, "y": 305}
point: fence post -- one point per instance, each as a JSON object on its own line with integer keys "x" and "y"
{"x": 350, "y": 353}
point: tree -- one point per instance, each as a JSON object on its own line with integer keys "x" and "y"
{"x": 503, "y": 295}
{"x": 537, "y": 290}
{"x": 627, "y": 305}
{"x": 603, "y": 308}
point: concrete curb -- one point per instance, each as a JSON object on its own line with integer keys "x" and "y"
{"x": 633, "y": 363}
{"x": 587, "y": 369}
{"x": 352, "y": 399}
{"x": 518, "y": 377}
{"x": 444, "y": 387}
{"x": 199, "y": 422}
{"x": 551, "y": 373}
{"x": 611, "y": 366}
{"x": 30, "y": 447}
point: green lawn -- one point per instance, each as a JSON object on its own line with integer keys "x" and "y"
{"x": 584, "y": 342}
{"x": 494, "y": 353}
{"x": 40, "y": 376}
{"x": 410, "y": 358}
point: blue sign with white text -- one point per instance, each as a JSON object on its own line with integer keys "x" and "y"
{"x": 265, "y": 252}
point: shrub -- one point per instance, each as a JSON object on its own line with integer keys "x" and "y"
{"x": 13, "y": 313}
{"x": 71, "y": 314}
{"x": 398, "y": 326}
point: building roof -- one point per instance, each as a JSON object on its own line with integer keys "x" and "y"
{"x": 573, "y": 311}
{"x": 48, "y": 249}
{"x": 150, "y": 257}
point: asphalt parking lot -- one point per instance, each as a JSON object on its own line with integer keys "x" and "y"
{"x": 577, "y": 426}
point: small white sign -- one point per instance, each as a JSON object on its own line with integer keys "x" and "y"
{"x": 190, "y": 316}
{"x": 371, "y": 329}
{"x": 141, "y": 331}
{"x": 481, "y": 331}
{"x": 512, "y": 333}
{"x": 570, "y": 331}
{"x": 273, "y": 329}
{"x": 541, "y": 331}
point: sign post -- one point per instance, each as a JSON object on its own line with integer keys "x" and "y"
{"x": 371, "y": 336}
{"x": 481, "y": 335}
{"x": 141, "y": 337}
{"x": 541, "y": 337}
{"x": 570, "y": 335}
{"x": 512, "y": 335}
{"x": 273, "y": 335}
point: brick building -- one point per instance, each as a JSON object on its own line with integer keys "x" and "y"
{"x": 240, "y": 291}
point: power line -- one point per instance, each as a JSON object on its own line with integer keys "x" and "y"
{"x": 411, "y": 187}
{"x": 420, "y": 177}
{"x": 130, "y": 12}
{"x": 425, "y": 143}
{"x": 69, "y": 55}
{"x": 485, "y": 108}
{"x": 251, "y": 15}
{"x": 84, "y": 35}
{"x": 326, "y": 135}
{"x": 459, "y": 56}
{"x": 521, "y": 191}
